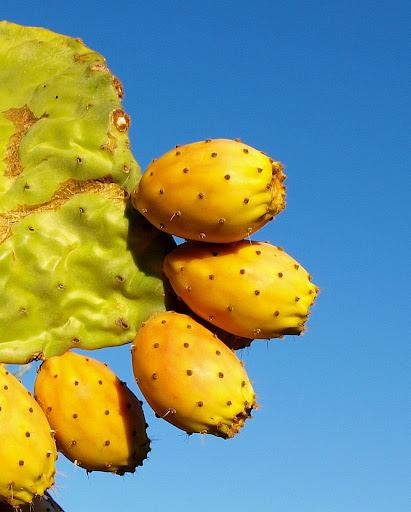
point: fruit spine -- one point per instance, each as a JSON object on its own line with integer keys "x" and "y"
{"x": 27, "y": 449}
{"x": 191, "y": 378}
{"x": 217, "y": 190}
{"x": 99, "y": 422}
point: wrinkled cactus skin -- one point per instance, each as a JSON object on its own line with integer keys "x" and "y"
{"x": 78, "y": 266}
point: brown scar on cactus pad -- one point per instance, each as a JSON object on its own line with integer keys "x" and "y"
{"x": 23, "y": 119}
{"x": 99, "y": 422}
{"x": 190, "y": 378}
{"x": 216, "y": 190}
{"x": 257, "y": 290}
{"x": 103, "y": 187}
{"x": 27, "y": 451}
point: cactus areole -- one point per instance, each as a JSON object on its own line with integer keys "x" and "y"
{"x": 78, "y": 267}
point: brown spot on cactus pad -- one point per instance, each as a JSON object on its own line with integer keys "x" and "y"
{"x": 23, "y": 119}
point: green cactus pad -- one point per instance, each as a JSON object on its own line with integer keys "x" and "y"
{"x": 78, "y": 267}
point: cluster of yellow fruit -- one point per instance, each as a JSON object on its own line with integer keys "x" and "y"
{"x": 228, "y": 291}
{"x": 215, "y": 194}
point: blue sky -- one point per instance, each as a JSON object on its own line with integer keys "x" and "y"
{"x": 323, "y": 87}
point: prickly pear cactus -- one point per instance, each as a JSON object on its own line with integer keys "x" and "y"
{"x": 191, "y": 378}
{"x": 217, "y": 190}
{"x": 250, "y": 289}
{"x": 78, "y": 267}
{"x": 27, "y": 450}
{"x": 99, "y": 422}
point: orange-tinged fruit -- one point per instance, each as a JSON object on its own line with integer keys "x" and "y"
{"x": 250, "y": 289}
{"x": 27, "y": 449}
{"x": 217, "y": 190}
{"x": 99, "y": 422}
{"x": 191, "y": 378}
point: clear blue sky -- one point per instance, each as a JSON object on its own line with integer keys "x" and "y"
{"x": 322, "y": 86}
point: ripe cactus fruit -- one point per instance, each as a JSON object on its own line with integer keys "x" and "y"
{"x": 216, "y": 190}
{"x": 191, "y": 378}
{"x": 99, "y": 422}
{"x": 27, "y": 449}
{"x": 74, "y": 254}
{"x": 250, "y": 289}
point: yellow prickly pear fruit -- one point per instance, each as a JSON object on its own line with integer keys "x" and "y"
{"x": 216, "y": 190}
{"x": 99, "y": 422}
{"x": 27, "y": 449}
{"x": 191, "y": 378}
{"x": 250, "y": 289}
